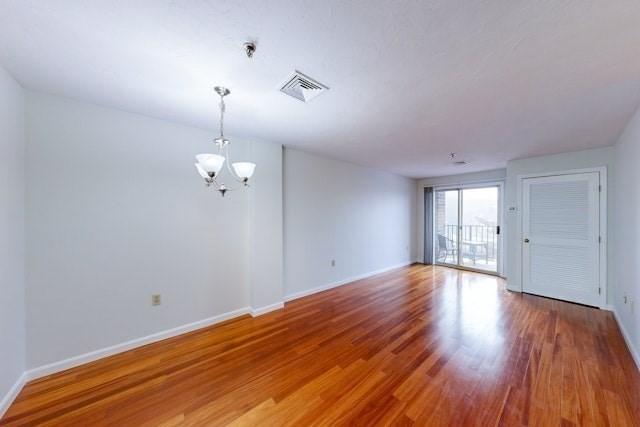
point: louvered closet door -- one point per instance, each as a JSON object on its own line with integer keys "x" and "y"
{"x": 560, "y": 249}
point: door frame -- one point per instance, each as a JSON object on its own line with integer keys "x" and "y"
{"x": 481, "y": 184}
{"x": 602, "y": 206}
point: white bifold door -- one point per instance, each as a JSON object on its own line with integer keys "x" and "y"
{"x": 561, "y": 233}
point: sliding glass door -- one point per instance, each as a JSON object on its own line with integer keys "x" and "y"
{"x": 446, "y": 207}
{"x": 466, "y": 227}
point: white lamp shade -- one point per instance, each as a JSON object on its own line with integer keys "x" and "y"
{"x": 203, "y": 173}
{"x": 244, "y": 169}
{"x": 210, "y": 162}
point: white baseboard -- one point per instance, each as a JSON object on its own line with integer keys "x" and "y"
{"x": 72, "y": 362}
{"x": 255, "y": 312}
{"x": 8, "y": 399}
{"x": 317, "y": 289}
{"x": 627, "y": 338}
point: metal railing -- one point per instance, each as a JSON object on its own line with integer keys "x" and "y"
{"x": 473, "y": 233}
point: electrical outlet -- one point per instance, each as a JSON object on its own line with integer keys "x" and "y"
{"x": 333, "y": 263}
{"x": 156, "y": 299}
{"x": 625, "y": 299}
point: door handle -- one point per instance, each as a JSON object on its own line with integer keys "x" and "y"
{"x": 526, "y": 240}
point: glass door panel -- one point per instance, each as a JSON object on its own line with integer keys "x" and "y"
{"x": 479, "y": 228}
{"x": 446, "y": 221}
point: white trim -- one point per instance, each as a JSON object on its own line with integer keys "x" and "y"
{"x": 346, "y": 281}
{"x": 255, "y": 312}
{"x": 562, "y": 172}
{"x": 11, "y": 395}
{"x": 627, "y": 339}
{"x": 72, "y": 362}
{"x": 463, "y": 182}
{"x": 468, "y": 185}
{"x": 602, "y": 172}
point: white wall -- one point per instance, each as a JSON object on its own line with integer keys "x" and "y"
{"x": 116, "y": 213}
{"x": 459, "y": 179}
{"x": 266, "y": 229}
{"x": 362, "y": 218}
{"x": 626, "y": 222}
{"x": 12, "y": 247}
{"x": 559, "y": 162}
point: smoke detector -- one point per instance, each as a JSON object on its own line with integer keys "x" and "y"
{"x": 302, "y": 87}
{"x": 457, "y": 162}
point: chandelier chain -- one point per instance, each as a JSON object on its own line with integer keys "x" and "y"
{"x": 222, "y": 110}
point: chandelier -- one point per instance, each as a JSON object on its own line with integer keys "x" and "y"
{"x": 209, "y": 166}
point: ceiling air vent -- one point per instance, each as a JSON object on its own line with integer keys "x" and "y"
{"x": 302, "y": 87}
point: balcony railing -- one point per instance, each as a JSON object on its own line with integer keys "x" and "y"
{"x": 477, "y": 240}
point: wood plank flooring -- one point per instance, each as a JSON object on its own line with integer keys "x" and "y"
{"x": 418, "y": 346}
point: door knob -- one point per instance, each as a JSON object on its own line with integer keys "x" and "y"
{"x": 526, "y": 240}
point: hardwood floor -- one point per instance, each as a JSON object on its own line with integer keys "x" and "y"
{"x": 417, "y": 346}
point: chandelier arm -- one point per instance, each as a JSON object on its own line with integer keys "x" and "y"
{"x": 229, "y": 168}
{"x": 228, "y": 189}
{"x": 233, "y": 188}
{"x": 218, "y": 186}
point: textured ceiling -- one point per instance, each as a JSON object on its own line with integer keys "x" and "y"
{"x": 410, "y": 81}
